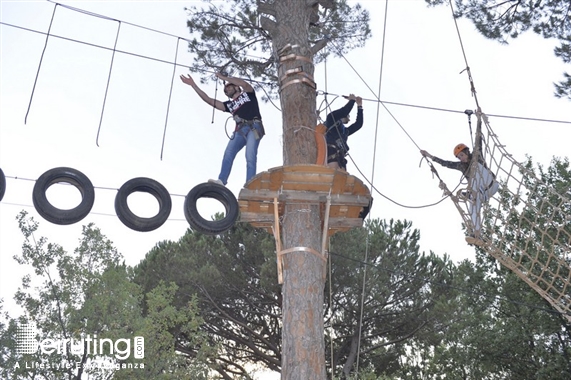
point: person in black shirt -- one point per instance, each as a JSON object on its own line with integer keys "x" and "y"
{"x": 243, "y": 105}
{"x": 337, "y": 133}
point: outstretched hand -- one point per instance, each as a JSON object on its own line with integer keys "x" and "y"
{"x": 426, "y": 154}
{"x": 221, "y": 76}
{"x": 188, "y": 80}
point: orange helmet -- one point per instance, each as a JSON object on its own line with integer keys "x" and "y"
{"x": 458, "y": 148}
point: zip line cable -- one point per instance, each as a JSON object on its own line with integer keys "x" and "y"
{"x": 377, "y": 98}
{"x": 372, "y": 182}
{"x": 95, "y": 187}
{"x": 97, "y": 15}
{"x": 330, "y": 268}
{"x": 526, "y": 230}
{"x": 261, "y": 83}
{"x": 452, "y": 111}
{"x": 467, "y": 291}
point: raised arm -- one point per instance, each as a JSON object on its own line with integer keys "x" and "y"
{"x": 448, "y": 164}
{"x": 247, "y": 87}
{"x": 359, "y": 121}
{"x": 337, "y": 115}
{"x": 213, "y": 102}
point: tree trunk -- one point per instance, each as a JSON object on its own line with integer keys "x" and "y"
{"x": 303, "y": 346}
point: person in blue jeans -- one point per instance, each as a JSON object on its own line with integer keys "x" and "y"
{"x": 243, "y": 105}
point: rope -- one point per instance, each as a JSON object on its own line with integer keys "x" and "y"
{"x": 331, "y": 316}
{"x": 40, "y": 65}
{"x": 331, "y": 331}
{"x": 170, "y": 96}
{"x": 367, "y": 243}
{"x": 525, "y": 225}
{"x": 515, "y": 217}
{"x": 107, "y": 86}
{"x": 377, "y": 98}
{"x": 455, "y": 111}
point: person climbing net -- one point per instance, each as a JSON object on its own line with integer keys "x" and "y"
{"x": 482, "y": 184}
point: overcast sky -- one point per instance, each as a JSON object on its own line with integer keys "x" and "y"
{"x": 423, "y": 65}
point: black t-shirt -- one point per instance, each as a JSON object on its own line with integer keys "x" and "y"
{"x": 245, "y": 106}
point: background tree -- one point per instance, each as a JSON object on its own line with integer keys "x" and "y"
{"x": 234, "y": 276}
{"x": 500, "y": 327}
{"x": 90, "y": 292}
{"x": 402, "y": 288}
{"x": 288, "y": 34}
{"x": 501, "y": 20}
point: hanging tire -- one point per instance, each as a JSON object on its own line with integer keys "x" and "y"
{"x": 53, "y": 214}
{"x": 2, "y": 184}
{"x": 145, "y": 185}
{"x": 214, "y": 191}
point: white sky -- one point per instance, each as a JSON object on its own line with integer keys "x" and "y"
{"x": 422, "y": 65}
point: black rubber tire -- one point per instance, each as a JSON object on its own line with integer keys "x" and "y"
{"x": 214, "y": 191}
{"x": 146, "y": 185}
{"x": 2, "y": 184}
{"x": 53, "y": 214}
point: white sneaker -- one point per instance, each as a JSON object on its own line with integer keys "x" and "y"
{"x": 216, "y": 181}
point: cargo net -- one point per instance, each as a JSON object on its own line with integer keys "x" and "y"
{"x": 521, "y": 220}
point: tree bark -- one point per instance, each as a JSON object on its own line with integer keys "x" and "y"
{"x": 303, "y": 346}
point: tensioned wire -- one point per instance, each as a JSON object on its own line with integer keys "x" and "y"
{"x": 463, "y": 290}
{"x": 175, "y": 65}
{"x": 377, "y": 97}
{"x": 362, "y": 306}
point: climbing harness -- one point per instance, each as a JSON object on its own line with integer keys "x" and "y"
{"x": 240, "y": 123}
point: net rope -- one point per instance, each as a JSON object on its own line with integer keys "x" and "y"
{"x": 525, "y": 225}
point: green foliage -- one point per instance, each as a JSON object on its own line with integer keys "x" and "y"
{"x": 233, "y": 277}
{"x": 501, "y": 20}
{"x": 402, "y": 288}
{"x": 229, "y": 37}
{"x": 163, "y": 326}
{"x": 499, "y": 327}
{"x": 90, "y": 295}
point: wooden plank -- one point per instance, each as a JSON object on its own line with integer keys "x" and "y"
{"x": 336, "y": 223}
{"x": 301, "y": 196}
{"x": 306, "y": 168}
{"x": 276, "y": 180}
{"x": 255, "y": 217}
{"x": 310, "y": 184}
{"x": 338, "y": 183}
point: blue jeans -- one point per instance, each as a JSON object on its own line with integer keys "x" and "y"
{"x": 243, "y": 137}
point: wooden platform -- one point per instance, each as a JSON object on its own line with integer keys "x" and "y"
{"x": 310, "y": 184}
